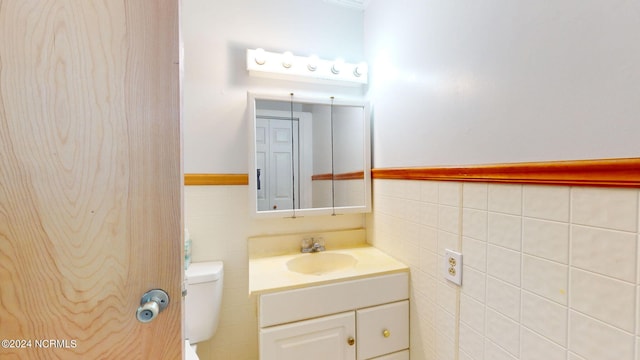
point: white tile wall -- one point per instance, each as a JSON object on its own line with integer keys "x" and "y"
{"x": 545, "y": 278}
{"x": 494, "y": 352}
{"x": 475, "y": 196}
{"x": 474, "y": 224}
{"x": 587, "y": 291}
{"x": 609, "y": 252}
{"x": 434, "y": 306}
{"x": 476, "y": 281}
{"x": 505, "y": 199}
{"x": 505, "y": 230}
{"x": 596, "y": 340}
{"x": 502, "y": 297}
{"x": 608, "y": 208}
{"x": 550, "y": 272}
{"x": 546, "y": 239}
{"x": 545, "y": 317}
{"x": 536, "y": 347}
{"x": 475, "y": 253}
{"x": 546, "y": 202}
{"x": 503, "y": 331}
{"x": 471, "y": 342}
{"x": 504, "y": 264}
{"x": 472, "y": 313}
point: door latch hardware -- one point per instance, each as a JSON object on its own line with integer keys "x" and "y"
{"x": 151, "y": 304}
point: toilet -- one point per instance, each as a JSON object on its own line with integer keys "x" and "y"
{"x": 204, "y": 282}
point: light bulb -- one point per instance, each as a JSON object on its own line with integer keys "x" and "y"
{"x": 360, "y": 69}
{"x": 337, "y": 66}
{"x": 287, "y": 59}
{"x": 259, "y": 56}
{"x": 312, "y": 63}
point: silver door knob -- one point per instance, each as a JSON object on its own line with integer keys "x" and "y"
{"x": 151, "y": 304}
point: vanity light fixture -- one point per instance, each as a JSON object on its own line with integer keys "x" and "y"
{"x": 312, "y": 64}
{"x": 337, "y": 66}
{"x": 259, "y": 56}
{"x": 360, "y": 70}
{"x": 287, "y": 59}
{"x": 302, "y": 68}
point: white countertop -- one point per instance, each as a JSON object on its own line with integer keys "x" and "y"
{"x": 270, "y": 273}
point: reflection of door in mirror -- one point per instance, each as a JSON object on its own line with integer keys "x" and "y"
{"x": 276, "y": 160}
{"x": 282, "y": 166}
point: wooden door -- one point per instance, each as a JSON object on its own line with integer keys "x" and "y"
{"x": 90, "y": 178}
{"x": 317, "y": 339}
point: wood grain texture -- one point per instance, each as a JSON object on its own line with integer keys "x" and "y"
{"x": 604, "y": 172}
{"x": 216, "y": 179}
{"x": 90, "y": 182}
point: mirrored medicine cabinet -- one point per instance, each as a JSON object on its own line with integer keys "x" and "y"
{"x": 308, "y": 156}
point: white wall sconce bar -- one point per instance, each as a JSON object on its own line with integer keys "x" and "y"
{"x": 305, "y": 68}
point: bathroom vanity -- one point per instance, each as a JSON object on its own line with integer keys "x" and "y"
{"x": 360, "y": 319}
{"x": 352, "y": 303}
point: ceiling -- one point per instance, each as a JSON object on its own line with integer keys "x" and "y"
{"x": 353, "y": 4}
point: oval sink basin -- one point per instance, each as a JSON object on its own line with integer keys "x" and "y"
{"x": 321, "y": 263}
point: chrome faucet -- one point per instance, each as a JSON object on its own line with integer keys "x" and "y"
{"x": 310, "y": 245}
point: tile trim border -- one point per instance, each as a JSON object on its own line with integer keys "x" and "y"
{"x": 621, "y": 172}
{"x": 243, "y": 179}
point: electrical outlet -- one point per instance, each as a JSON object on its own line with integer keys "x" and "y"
{"x": 453, "y": 266}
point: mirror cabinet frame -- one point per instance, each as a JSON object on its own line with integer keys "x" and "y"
{"x": 317, "y": 100}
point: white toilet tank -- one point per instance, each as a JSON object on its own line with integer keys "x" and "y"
{"x": 203, "y": 301}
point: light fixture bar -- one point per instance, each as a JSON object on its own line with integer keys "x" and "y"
{"x": 303, "y": 68}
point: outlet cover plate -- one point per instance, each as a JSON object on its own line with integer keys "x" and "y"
{"x": 452, "y": 266}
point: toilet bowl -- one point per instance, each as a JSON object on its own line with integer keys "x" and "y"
{"x": 190, "y": 351}
{"x": 204, "y": 282}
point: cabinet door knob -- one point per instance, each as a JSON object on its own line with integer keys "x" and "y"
{"x": 351, "y": 341}
{"x": 386, "y": 333}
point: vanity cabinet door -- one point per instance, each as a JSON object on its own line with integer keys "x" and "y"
{"x": 317, "y": 339}
{"x": 400, "y": 355}
{"x": 383, "y": 329}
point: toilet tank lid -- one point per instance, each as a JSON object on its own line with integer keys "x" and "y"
{"x": 200, "y": 272}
